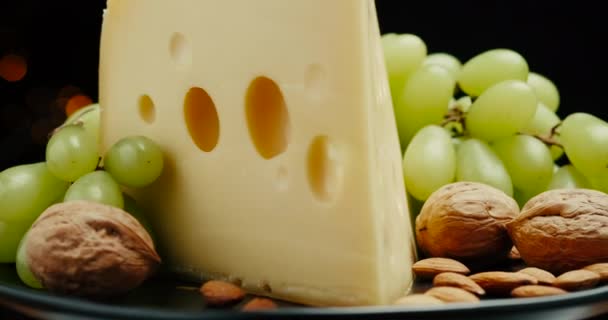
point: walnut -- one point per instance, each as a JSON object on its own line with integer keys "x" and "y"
{"x": 466, "y": 221}
{"x": 89, "y": 249}
{"x": 562, "y": 230}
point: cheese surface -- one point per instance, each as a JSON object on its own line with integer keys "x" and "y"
{"x": 283, "y": 168}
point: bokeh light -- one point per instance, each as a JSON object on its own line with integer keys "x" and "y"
{"x": 13, "y": 67}
{"x": 76, "y": 103}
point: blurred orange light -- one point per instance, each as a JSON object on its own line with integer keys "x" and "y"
{"x": 13, "y": 67}
{"x": 77, "y": 102}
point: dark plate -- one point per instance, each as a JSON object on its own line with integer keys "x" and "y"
{"x": 163, "y": 298}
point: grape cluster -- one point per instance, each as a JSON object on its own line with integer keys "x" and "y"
{"x": 72, "y": 172}
{"x": 489, "y": 120}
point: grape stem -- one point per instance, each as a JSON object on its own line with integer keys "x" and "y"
{"x": 99, "y": 166}
{"x": 550, "y": 140}
{"x": 77, "y": 123}
{"x": 455, "y": 115}
{"x": 553, "y": 131}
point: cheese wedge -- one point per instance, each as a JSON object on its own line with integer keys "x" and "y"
{"x": 283, "y": 168}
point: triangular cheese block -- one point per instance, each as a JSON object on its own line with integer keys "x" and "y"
{"x": 283, "y": 168}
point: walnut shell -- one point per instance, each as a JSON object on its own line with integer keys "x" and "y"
{"x": 562, "y": 230}
{"x": 466, "y": 221}
{"x": 84, "y": 248}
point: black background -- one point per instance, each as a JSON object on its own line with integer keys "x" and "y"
{"x": 563, "y": 40}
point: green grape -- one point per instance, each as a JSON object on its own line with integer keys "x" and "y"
{"x": 88, "y": 118}
{"x": 75, "y": 117}
{"x": 448, "y": 61}
{"x": 528, "y": 162}
{"x": 556, "y": 151}
{"x": 501, "y": 111}
{"x": 388, "y": 36}
{"x": 477, "y": 162}
{"x": 585, "y": 141}
{"x": 455, "y": 128}
{"x": 491, "y": 67}
{"x": 11, "y": 233}
{"x": 71, "y": 153}
{"x": 542, "y": 123}
{"x": 134, "y": 161}
{"x": 545, "y": 90}
{"x": 27, "y": 190}
{"x": 429, "y": 162}
{"x": 463, "y": 103}
{"x": 599, "y": 181}
{"x": 456, "y": 141}
{"x": 132, "y": 208}
{"x": 521, "y": 197}
{"x": 567, "y": 177}
{"x": 403, "y": 54}
{"x": 452, "y": 103}
{"x": 23, "y": 269}
{"x": 423, "y": 101}
{"x": 97, "y": 186}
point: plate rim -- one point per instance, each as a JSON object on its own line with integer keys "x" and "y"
{"x": 37, "y": 300}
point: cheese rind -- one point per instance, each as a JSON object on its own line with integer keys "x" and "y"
{"x": 310, "y": 209}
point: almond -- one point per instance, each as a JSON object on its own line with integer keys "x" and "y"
{"x": 601, "y": 269}
{"x": 259, "y": 304}
{"x": 577, "y": 280}
{"x": 418, "y": 299}
{"x": 543, "y": 276}
{"x": 514, "y": 254}
{"x": 220, "y": 293}
{"x": 451, "y": 294}
{"x": 451, "y": 279}
{"x": 536, "y": 291}
{"x": 500, "y": 282}
{"x": 429, "y": 268}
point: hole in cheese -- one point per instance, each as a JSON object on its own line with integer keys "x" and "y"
{"x": 267, "y": 117}
{"x": 315, "y": 83}
{"x": 147, "y": 111}
{"x": 324, "y": 168}
{"x": 282, "y": 178}
{"x": 180, "y": 51}
{"x": 201, "y": 119}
